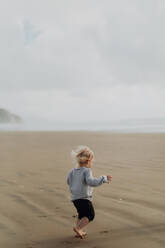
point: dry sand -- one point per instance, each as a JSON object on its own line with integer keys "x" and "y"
{"x": 35, "y": 207}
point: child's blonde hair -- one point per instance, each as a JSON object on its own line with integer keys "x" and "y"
{"x": 82, "y": 154}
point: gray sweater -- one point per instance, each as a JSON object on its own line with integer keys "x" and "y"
{"x": 81, "y": 183}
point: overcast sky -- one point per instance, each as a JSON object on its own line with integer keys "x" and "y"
{"x": 90, "y": 60}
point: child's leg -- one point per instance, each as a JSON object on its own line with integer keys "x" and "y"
{"x": 85, "y": 215}
{"x": 80, "y": 225}
{"x": 77, "y": 224}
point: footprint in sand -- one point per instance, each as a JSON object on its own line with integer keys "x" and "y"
{"x": 67, "y": 242}
{"x": 105, "y": 231}
{"x": 42, "y": 216}
{"x": 74, "y": 216}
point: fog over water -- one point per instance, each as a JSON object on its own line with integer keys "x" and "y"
{"x": 129, "y": 126}
{"x": 83, "y": 65}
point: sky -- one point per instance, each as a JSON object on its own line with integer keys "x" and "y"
{"x": 82, "y": 61}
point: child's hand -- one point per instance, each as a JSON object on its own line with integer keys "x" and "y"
{"x": 109, "y": 178}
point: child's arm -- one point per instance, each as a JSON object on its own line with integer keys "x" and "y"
{"x": 68, "y": 178}
{"x": 94, "y": 182}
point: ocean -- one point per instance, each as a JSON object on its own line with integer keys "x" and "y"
{"x": 127, "y": 125}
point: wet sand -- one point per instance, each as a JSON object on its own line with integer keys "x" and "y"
{"x": 35, "y": 207}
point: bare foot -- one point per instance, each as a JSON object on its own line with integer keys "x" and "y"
{"x": 78, "y": 232}
{"x": 83, "y": 233}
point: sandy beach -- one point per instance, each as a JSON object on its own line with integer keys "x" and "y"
{"x": 35, "y": 206}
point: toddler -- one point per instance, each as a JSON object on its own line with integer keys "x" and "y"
{"x": 81, "y": 183}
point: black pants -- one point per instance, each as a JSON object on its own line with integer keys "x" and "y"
{"x": 84, "y": 208}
